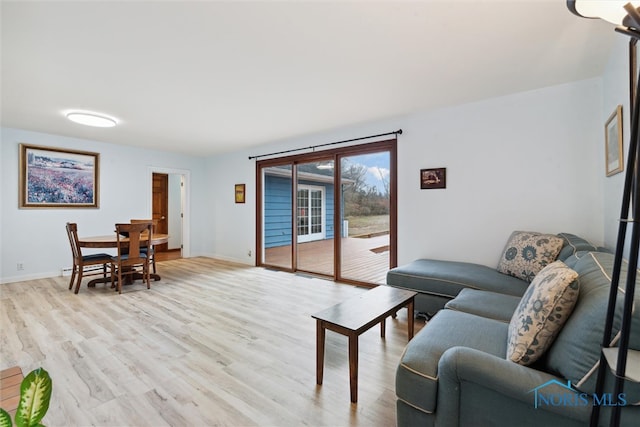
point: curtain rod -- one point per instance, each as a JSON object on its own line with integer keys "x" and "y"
{"x": 313, "y": 147}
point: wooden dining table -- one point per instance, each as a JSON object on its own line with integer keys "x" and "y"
{"x": 111, "y": 241}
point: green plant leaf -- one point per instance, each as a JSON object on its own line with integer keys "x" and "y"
{"x": 35, "y": 393}
{"x": 5, "y": 418}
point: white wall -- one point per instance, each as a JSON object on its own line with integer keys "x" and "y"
{"x": 232, "y": 225}
{"x": 616, "y": 92}
{"x": 528, "y": 161}
{"x": 37, "y": 238}
{"x": 175, "y": 209}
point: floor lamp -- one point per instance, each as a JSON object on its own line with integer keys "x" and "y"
{"x": 627, "y": 19}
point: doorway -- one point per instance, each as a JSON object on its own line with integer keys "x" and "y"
{"x": 160, "y": 207}
{"x": 168, "y": 205}
{"x": 310, "y": 213}
{"x": 339, "y": 204}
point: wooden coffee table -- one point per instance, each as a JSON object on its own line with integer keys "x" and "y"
{"x": 355, "y": 316}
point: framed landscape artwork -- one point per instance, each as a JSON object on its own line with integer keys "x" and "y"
{"x": 58, "y": 178}
{"x": 433, "y": 178}
{"x": 613, "y": 142}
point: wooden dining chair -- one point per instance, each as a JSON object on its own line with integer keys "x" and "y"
{"x": 152, "y": 253}
{"x": 132, "y": 252}
{"x": 84, "y": 265}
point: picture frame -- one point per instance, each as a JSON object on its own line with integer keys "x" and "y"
{"x": 240, "y": 193}
{"x": 433, "y": 178}
{"x": 614, "y": 161}
{"x": 58, "y": 178}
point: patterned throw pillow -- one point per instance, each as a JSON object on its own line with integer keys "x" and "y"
{"x": 544, "y": 308}
{"x": 527, "y": 253}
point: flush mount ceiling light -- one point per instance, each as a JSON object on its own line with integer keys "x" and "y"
{"x": 91, "y": 119}
{"x": 325, "y": 165}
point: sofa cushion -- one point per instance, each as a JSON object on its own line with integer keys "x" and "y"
{"x": 448, "y": 278}
{"x": 526, "y": 253}
{"x": 542, "y": 311}
{"x": 492, "y": 305}
{"x": 573, "y": 244}
{"x": 417, "y": 374}
{"x": 576, "y": 350}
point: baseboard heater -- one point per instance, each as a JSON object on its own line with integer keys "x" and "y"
{"x": 66, "y": 271}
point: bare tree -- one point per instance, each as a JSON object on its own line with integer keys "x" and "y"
{"x": 385, "y": 181}
{"x": 356, "y": 173}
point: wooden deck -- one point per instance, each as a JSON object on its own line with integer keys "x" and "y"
{"x": 363, "y": 259}
{"x": 10, "y": 381}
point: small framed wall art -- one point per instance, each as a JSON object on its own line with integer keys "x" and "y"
{"x": 614, "y": 161}
{"x": 433, "y": 178}
{"x": 58, "y": 178}
{"x": 240, "y": 193}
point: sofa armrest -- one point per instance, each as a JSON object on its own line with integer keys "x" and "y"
{"x": 475, "y": 384}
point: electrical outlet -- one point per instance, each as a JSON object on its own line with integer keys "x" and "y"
{"x": 20, "y": 266}
{"x": 249, "y": 252}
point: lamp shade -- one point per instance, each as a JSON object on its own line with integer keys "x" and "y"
{"x": 610, "y": 10}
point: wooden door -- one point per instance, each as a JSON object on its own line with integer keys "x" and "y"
{"x": 161, "y": 205}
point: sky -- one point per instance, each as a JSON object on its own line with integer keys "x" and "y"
{"x": 377, "y": 168}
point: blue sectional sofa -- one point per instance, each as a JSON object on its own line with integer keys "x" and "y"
{"x": 456, "y": 371}
{"x": 439, "y": 281}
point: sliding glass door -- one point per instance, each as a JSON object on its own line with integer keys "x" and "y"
{"x": 277, "y": 185}
{"x": 366, "y": 206}
{"x": 315, "y": 217}
{"x": 340, "y": 206}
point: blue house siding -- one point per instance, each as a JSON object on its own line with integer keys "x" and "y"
{"x": 277, "y": 210}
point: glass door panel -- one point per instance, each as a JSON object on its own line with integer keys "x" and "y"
{"x": 276, "y": 216}
{"x": 310, "y": 213}
{"x": 302, "y": 214}
{"x": 314, "y": 217}
{"x": 365, "y": 195}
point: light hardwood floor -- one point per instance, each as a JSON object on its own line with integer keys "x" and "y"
{"x": 212, "y": 343}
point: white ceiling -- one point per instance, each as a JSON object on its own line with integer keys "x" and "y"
{"x": 208, "y": 76}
